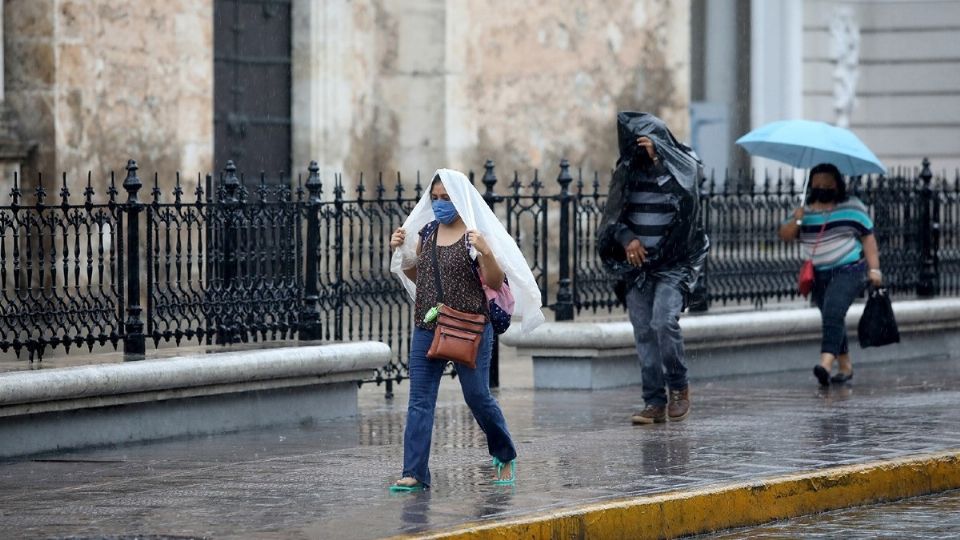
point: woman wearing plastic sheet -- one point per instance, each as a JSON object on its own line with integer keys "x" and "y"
{"x": 836, "y": 232}
{"x": 457, "y": 234}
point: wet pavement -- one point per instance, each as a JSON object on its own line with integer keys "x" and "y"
{"x": 330, "y": 480}
{"x": 932, "y": 516}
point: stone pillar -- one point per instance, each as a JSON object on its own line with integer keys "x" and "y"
{"x": 461, "y": 123}
{"x": 369, "y": 86}
{"x": 412, "y": 84}
{"x": 720, "y": 76}
{"x": 13, "y": 151}
{"x": 776, "y": 70}
{"x": 318, "y": 83}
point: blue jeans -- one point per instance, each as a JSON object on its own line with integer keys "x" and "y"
{"x": 655, "y": 314}
{"x": 425, "y": 377}
{"x": 833, "y": 292}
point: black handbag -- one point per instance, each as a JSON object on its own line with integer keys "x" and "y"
{"x": 878, "y": 326}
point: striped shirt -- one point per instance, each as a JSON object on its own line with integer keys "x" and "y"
{"x": 651, "y": 209}
{"x": 840, "y": 244}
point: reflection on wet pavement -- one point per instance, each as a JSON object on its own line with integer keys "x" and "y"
{"x": 329, "y": 480}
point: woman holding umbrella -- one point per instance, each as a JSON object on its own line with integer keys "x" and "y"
{"x": 834, "y": 229}
{"x": 836, "y": 233}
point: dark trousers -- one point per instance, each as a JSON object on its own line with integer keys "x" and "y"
{"x": 833, "y": 292}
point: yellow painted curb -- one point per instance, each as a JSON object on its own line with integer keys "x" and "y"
{"x": 730, "y": 505}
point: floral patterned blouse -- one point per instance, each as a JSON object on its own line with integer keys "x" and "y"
{"x": 461, "y": 287}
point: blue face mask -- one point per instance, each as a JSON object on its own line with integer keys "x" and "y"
{"x": 445, "y": 211}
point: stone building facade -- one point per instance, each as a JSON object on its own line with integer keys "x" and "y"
{"x": 91, "y": 84}
{"x": 887, "y": 69}
{"x": 374, "y": 85}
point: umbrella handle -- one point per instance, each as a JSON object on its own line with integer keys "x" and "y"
{"x": 806, "y": 184}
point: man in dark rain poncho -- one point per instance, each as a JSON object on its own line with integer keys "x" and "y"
{"x": 652, "y": 239}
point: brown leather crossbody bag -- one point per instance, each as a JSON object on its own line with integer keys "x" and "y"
{"x": 458, "y": 334}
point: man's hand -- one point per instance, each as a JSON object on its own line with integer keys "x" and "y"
{"x": 648, "y": 146}
{"x": 636, "y": 253}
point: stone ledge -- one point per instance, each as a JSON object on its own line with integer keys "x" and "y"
{"x": 75, "y": 407}
{"x": 572, "y": 355}
{"x": 732, "y": 329}
{"x": 207, "y": 374}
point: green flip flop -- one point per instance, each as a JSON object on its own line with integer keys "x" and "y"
{"x": 513, "y": 472}
{"x": 396, "y": 488}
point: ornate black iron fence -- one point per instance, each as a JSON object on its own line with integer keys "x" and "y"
{"x": 61, "y": 267}
{"x": 285, "y": 260}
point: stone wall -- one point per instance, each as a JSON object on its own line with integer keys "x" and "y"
{"x": 417, "y": 84}
{"x": 545, "y": 79}
{"x": 96, "y": 83}
{"x": 897, "y": 63}
{"x": 378, "y": 85}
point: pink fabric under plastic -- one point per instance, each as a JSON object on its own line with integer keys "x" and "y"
{"x": 503, "y": 297}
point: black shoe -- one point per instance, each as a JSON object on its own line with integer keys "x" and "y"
{"x": 841, "y": 377}
{"x": 822, "y": 375}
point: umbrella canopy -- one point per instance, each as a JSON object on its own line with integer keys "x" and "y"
{"x": 804, "y": 144}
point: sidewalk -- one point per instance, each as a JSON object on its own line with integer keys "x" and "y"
{"x": 329, "y": 480}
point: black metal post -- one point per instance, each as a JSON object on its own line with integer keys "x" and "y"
{"x": 210, "y": 264}
{"x": 310, "y": 316}
{"x": 699, "y": 297}
{"x": 491, "y": 198}
{"x": 927, "y": 284}
{"x": 229, "y": 325}
{"x": 338, "y": 261}
{"x": 134, "y": 342}
{"x": 564, "y": 306}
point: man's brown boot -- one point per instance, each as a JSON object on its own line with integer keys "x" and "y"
{"x": 651, "y": 414}
{"x": 679, "y": 406}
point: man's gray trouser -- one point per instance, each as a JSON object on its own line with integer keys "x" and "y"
{"x": 655, "y": 313}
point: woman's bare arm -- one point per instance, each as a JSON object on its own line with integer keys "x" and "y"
{"x": 490, "y": 269}
{"x": 790, "y": 231}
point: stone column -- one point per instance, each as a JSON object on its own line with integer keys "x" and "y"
{"x": 412, "y": 85}
{"x": 13, "y": 151}
{"x": 369, "y": 86}
{"x": 460, "y": 120}
{"x": 720, "y": 108}
{"x": 776, "y": 58}
{"x": 334, "y": 66}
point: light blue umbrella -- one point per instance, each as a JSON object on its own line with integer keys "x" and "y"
{"x": 805, "y": 143}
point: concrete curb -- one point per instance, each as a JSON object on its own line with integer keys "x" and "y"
{"x": 733, "y": 505}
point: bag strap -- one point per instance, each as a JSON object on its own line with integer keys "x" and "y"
{"x": 436, "y": 265}
{"x": 819, "y": 237}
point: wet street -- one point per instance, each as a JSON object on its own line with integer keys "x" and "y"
{"x": 330, "y": 480}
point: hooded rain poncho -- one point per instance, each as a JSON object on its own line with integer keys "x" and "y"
{"x": 680, "y": 255}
